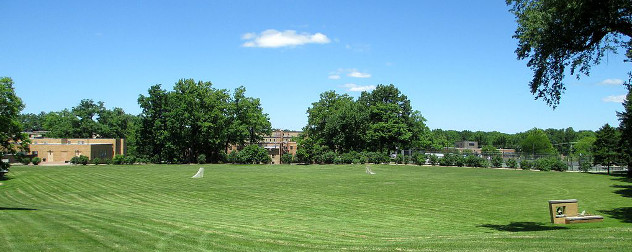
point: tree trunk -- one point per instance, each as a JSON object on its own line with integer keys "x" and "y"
{"x": 629, "y": 169}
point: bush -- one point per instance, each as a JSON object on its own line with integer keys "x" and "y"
{"x": 347, "y": 158}
{"x": 36, "y": 160}
{"x": 130, "y": 160}
{"x": 497, "y": 161}
{"x": 585, "y": 167}
{"x": 253, "y": 154}
{"x": 338, "y": 160}
{"x": 512, "y": 163}
{"x": 25, "y": 160}
{"x": 448, "y": 160}
{"x": 433, "y": 159}
{"x": 558, "y": 165}
{"x": 118, "y": 160}
{"x": 419, "y": 159}
{"x": 287, "y": 158}
{"x": 83, "y": 160}
{"x": 475, "y": 161}
{"x": 328, "y": 157}
{"x": 201, "y": 159}
{"x": 96, "y": 161}
{"x": 459, "y": 161}
{"x": 526, "y": 165}
{"x": 542, "y": 164}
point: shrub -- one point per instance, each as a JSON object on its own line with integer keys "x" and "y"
{"x": 201, "y": 159}
{"x": 433, "y": 159}
{"x": 328, "y": 157}
{"x": 419, "y": 159}
{"x": 497, "y": 161}
{"x": 448, "y": 160}
{"x": 475, "y": 161}
{"x": 347, "y": 158}
{"x": 233, "y": 157}
{"x": 542, "y": 164}
{"x": 25, "y": 160}
{"x": 287, "y": 158}
{"x": 526, "y": 165}
{"x": 130, "y": 160}
{"x": 83, "y": 160}
{"x": 253, "y": 154}
{"x": 118, "y": 160}
{"x": 36, "y": 160}
{"x": 407, "y": 159}
{"x": 585, "y": 167}
{"x": 512, "y": 163}
{"x": 338, "y": 160}
{"x": 96, "y": 161}
{"x": 459, "y": 161}
{"x": 558, "y": 165}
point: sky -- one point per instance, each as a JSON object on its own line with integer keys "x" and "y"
{"x": 454, "y": 60}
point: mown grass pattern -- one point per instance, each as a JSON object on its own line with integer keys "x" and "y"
{"x": 290, "y": 208}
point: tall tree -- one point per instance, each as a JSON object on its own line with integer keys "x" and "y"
{"x": 12, "y": 139}
{"x": 389, "y": 114}
{"x": 537, "y": 143}
{"x": 606, "y": 147}
{"x": 194, "y": 119}
{"x": 625, "y": 127}
{"x": 556, "y": 34}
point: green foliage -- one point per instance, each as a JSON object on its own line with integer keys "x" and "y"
{"x": 82, "y": 160}
{"x": 287, "y": 158}
{"x": 526, "y": 164}
{"x": 555, "y": 35}
{"x": 253, "y": 154}
{"x": 448, "y": 159}
{"x": 585, "y": 167}
{"x": 12, "y": 140}
{"x": 130, "y": 160}
{"x": 511, "y": 163}
{"x": 36, "y": 160}
{"x": 328, "y": 157}
{"x": 489, "y": 150}
{"x": 195, "y": 118}
{"x": 433, "y": 159}
{"x": 419, "y": 158}
{"x": 476, "y": 161}
{"x": 459, "y": 161}
{"x": 625, "y": 127}
{"x": 118, "y": 160}
{"x": 379, "y": 121}
{"x": 606, "y": 147}
{"x": 201, "y": 159}
{"x": 497, "y": 161}
{"x": 537, "y": 143}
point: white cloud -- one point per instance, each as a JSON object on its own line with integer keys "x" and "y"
{"x": 614, "y": 98}
{"x": 610, "y": 82}
{"x": 356, "y": 74}
{"x": 273, "y": 39}
{"x": 334, "y": 77}
{"x": 356, "y": 88}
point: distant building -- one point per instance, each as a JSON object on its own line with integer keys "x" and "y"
{"x": 61, "y": 150}
{"x": 279, "y": 142}
{"x": 466, "y": 145}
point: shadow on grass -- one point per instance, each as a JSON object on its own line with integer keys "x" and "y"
{"x": 523, "y": 227}
{"x": 16, "y": 209}
{"x": 626, "y": 190}
{"x": 624, "y": 214}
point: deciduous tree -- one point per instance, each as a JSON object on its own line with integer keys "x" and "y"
{"x": 12, "y": 139}
{"x": 557, "y": 34}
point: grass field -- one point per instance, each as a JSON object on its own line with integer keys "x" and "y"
{"x": 289, "y": 208}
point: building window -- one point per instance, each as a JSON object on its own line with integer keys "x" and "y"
{"x": 471, "y": 144}
{"x": 291, "y": 147}
{"x": 34, "y": 152}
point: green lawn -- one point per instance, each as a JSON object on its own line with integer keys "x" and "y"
{"x": 318, "y": 207}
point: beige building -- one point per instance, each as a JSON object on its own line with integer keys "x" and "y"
{"x": 61, "y": 150}
{"x": 279, "y": 142}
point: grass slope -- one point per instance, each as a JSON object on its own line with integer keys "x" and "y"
{"x": 272, "y": 208}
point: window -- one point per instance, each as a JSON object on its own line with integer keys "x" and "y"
{"x": 291, "y": 147}
{"x": 471, "y": 144}
{"x": 34, "y": 152}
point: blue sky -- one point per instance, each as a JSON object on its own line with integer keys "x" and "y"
{"x": 454, "y": 60}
